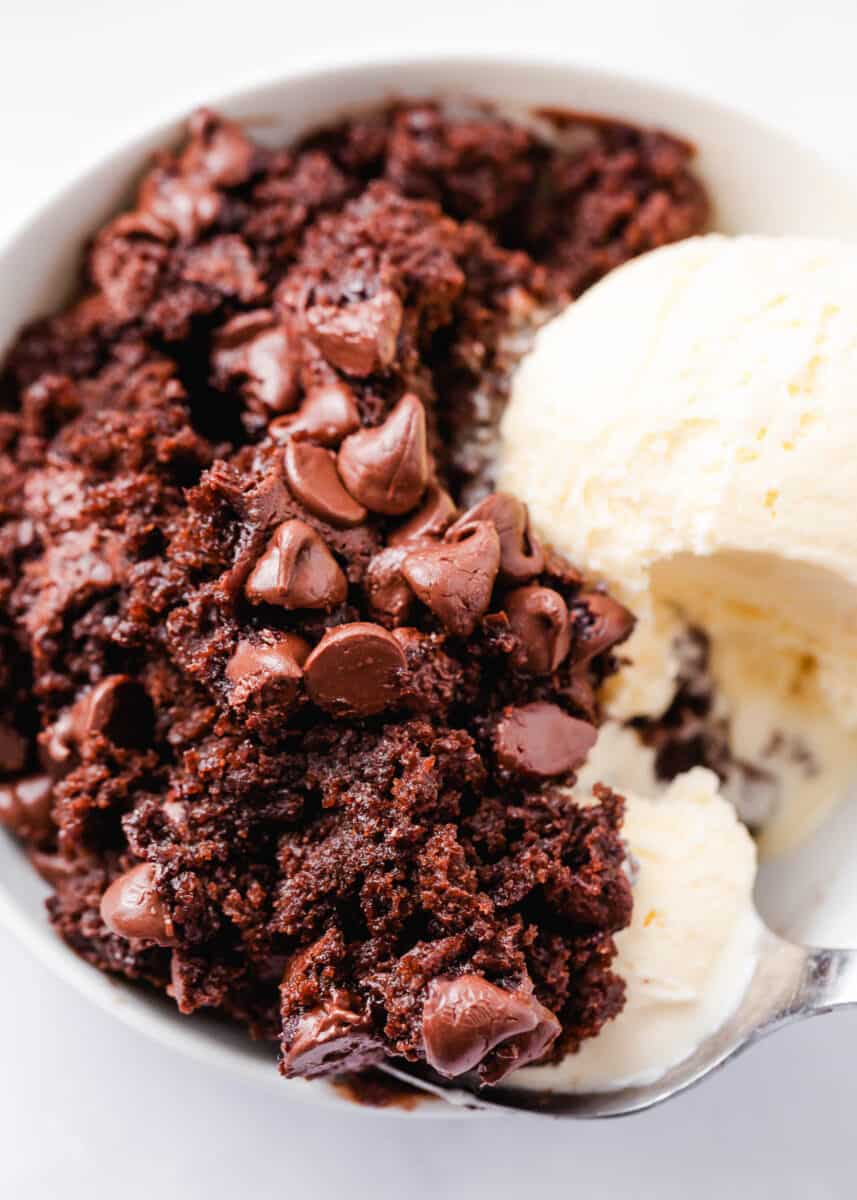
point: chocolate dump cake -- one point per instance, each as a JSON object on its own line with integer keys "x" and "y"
{"x": 288, "y": 692}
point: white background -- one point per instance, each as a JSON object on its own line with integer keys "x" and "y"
{"x": 88, "y": 1110}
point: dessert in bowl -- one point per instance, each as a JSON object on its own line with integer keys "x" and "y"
{"x": 294, "y": 699}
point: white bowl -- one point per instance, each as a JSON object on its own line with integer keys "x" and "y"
{"x": 760, "y": 181}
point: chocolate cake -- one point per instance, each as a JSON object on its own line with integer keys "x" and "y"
{"x": 289, "y": 696}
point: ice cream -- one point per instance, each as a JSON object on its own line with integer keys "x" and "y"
{"x": 688, "y": 430}
{"x": 689, "y": 952}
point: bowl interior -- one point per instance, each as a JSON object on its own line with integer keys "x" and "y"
{"x": 760, "y": 181}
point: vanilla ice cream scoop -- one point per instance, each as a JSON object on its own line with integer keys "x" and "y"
{"x": 688, "y": 431}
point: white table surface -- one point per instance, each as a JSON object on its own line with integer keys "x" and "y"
{"x": 89, "y": 1110}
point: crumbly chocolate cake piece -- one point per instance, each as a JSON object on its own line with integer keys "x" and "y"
{"x": 283, "y": 720}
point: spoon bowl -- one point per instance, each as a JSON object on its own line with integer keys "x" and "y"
{"x": 789, "y": 983}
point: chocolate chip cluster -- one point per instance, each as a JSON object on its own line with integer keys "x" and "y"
{"x": 288, "y": 692}
{"x": 455, "y": 566}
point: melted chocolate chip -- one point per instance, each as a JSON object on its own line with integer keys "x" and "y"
{"x": 539, "y": 617}
{"x": 256, "y": 666}
{"x": 390, "y": 598}
{"x": 132, "y": 908}
{"x": 455, "y": 577}
{"x": 25, "y": 806}
{"x": 599, "y": 623}
{"x": 331, "y": 1037}
{"x": 116, "y": 708}
{"x": 529, "y": 1047}
{"x": 359, "y": 338}
{"x": 355, "y": 670}
{"x": 253, "y": 349}
{"x": 467, "y": 1018}
{"x": 328, "y": 414}
{"x": 429, "y": 521}
{"x": 314, "y": 480}
{"x": 386, "y": 467}
{"x": 540, "y": 741}
{"x": 521, "y": 554}
{"x": 297, "y": 571}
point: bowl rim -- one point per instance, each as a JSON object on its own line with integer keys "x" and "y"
{"x": 315, "y": 67}
{"x": 112, "y": 994}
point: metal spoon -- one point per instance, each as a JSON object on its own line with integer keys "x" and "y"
{"x": 790, "y": 982}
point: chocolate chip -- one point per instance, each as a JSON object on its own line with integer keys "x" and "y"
{"x": 521, "y": 554}
{"x": 541, "y": 741}
{"x": 599, "y": 623}
{"x": 389, "y": 596}
{"x": 517, "y": 1052}
{"x": 539, "y": 617}
{"x": 132, "y": 908}
{"x": 467, "y": 1018}
{"x": 297, "y": 571}
{"x": 429, "y": 521}
{"x": 355, "y": 670}
{"x": 25, "y": 806}
{"x": 328, "y": 414}
{"x": 262, "y": 355}
{"x": 116, "y": 708}
{"x": 331, "y": 1037}
{"x": 358, "y": 338}
{"x": 256, "y": 666}
{"x": 455, "y": 577}
{"x": 386, "y": 467}
{"x": 313, "y": 478}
